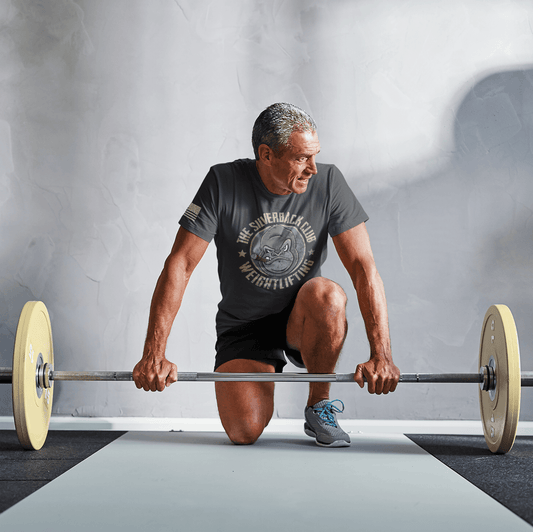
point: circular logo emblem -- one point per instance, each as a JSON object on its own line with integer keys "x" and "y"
{"x": 277, "y": 250}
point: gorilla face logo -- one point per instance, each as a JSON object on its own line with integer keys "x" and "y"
{"x": 277, "y": 250}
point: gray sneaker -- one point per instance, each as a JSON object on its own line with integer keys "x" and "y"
{"x": 321, "y": 423}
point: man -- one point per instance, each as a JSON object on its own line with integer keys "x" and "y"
{"x": 270, "y": 219}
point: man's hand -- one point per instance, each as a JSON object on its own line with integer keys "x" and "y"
{"x": 381, "y": 375}
{"x": 152, "y": 375}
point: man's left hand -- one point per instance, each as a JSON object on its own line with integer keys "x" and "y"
{"x": 381, "y": 374}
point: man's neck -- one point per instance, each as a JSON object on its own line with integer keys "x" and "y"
{"x": 268, "y": 181}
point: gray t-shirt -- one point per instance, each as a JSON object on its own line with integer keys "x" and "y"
{"x": 268, "y": 245}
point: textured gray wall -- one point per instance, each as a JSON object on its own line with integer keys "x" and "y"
{"x": 112, "y": 111}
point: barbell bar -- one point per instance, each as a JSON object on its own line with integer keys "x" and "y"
{"x": 45, "y": 375}
{"x": 499, "y": 378}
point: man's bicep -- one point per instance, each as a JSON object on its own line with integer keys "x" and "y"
{"x": 353, "y": 247}
{"x": 187, "y": 251}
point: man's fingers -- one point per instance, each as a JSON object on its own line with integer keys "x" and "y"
{"x": 378, "y": 385}
{"x": 381, "y": 377}
{"x": 362, "y": 374}
{"x": 172, "y": 376}
{"x": 371, "y": 380}
{"x": 155, "y": 377}
{"x": 369, "y": 377}
{"x": 358, "y": 377}
{"x": 166, "y": 376}
{"x": 160, "y": 382}
{"x": 390, "y": 385}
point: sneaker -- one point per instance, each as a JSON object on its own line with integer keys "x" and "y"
{"x": 321, "y": 424}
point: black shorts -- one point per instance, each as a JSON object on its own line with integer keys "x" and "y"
{"x": 264, "y": 340}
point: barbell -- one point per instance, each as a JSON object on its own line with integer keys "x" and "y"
{"x": 33, "y": 375}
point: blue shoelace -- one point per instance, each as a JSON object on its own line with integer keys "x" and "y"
{"x": 326, "y": 412}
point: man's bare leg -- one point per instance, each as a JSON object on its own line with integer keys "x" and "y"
{"x": 317, "y": 328}
{"x": 245, "y": 408}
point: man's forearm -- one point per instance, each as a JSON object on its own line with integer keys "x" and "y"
{"x": 373, "y": 305}
{"x": 154, "y": 372}
{"x": 355, "y": 252}
{"x": 166, "y": 302}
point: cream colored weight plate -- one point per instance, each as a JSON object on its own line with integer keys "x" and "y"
{"x": 500, "y": 408}
{"x": 32, "y": 405}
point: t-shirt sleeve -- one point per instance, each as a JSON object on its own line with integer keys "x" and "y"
{"x": 345, "y": 210}
{"x": 201, "y": 216}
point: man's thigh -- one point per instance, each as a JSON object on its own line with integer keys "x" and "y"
{"x": 245, "y": 408}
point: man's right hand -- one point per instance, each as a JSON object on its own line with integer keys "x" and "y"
{"x": 154, "y": 375}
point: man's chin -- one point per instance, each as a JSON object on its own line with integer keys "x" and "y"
{"x": 301, "y": 186}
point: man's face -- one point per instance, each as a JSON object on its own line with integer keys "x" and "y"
{"x": 292, "y": 171}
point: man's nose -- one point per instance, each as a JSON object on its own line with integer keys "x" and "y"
{"x": 311, "y": 165}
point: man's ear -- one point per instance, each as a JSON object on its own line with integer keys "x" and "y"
{"x": 265, "y": 154}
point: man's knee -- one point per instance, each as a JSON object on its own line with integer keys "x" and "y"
{"x": 244, "y": 433}
{"x": 323, "y": 305}
{"x": 325, "y": 295}
{"x": 245, "y": 408}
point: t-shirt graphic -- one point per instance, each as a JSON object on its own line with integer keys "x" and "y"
{"x": 267, "y": 245}
{"x": 277, "y": 250}
{"x": 276, "y": 255}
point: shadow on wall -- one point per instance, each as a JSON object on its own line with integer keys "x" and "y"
{"x": 456, "y": 242}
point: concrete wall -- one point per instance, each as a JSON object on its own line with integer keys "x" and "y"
{"x": 112, "y": 111}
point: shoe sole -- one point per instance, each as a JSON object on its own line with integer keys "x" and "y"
{"x": 336, "y": 443}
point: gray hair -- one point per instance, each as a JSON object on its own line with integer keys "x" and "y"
{"x": 276, "y": 124}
